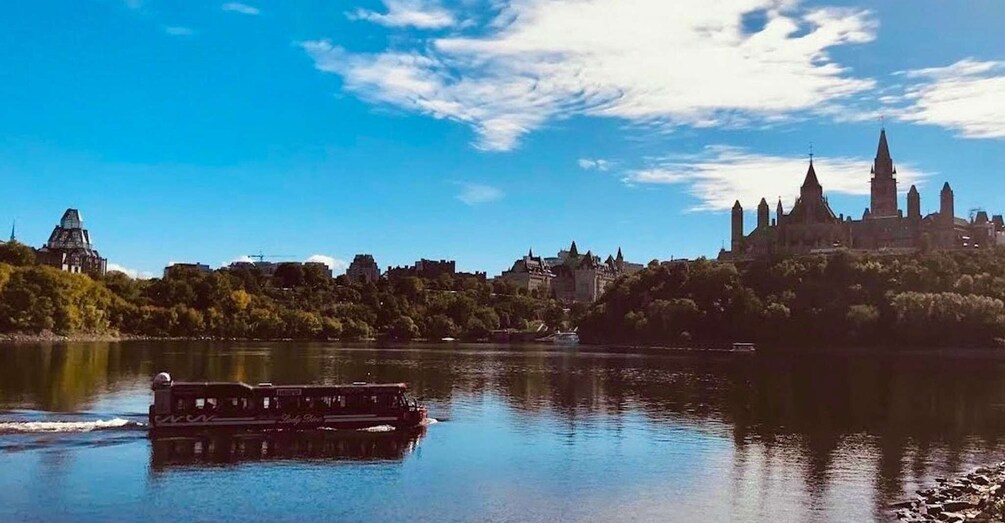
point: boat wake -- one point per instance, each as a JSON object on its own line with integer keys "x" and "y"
{"x": 378, "y": 428}
{"x": 30, "y": 427}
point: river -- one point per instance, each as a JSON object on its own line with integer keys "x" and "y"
{"x": 535, "y": 433}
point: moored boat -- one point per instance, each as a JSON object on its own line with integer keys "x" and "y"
{"x": 239, "y": 406}
{"x": 566, "y": 338}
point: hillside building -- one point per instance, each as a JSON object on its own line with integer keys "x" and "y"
{"x": 69, "y": 248}
{"x": 811, "y": 226}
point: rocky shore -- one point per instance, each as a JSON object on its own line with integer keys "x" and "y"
{"x": 978, "y": 496}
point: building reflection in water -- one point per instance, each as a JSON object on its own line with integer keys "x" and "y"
{"x": 908, "y": 416}
{"x": 314, "y": 445}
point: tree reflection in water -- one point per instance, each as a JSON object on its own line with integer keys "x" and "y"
{"x": 918, "y": 414}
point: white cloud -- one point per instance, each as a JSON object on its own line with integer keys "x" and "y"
{"x": 423, "y": 14}
{"x": 244, "y": 9}
{"x": 240, "y": 259}
{"x": 177, "y": 30}
{"x": 336, "y": 265}
{"x": 967, "y": 97}
{"x": 474, "y": 194}
{"x": 720, "y": 175}
{"x": 132, "y": 273}
{"x": 669, "y": 63}
{"x": 598, "y": 164}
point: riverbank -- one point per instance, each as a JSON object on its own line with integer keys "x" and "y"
{"x": 978, "y": 496}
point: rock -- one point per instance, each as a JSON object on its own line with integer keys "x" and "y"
{"x": 981, "y": 479}
{"x": 934, "y": 508}
{"x": 952, "y": 517}
{"x": 957, "y": 505}
{"x": 903, "y": 504}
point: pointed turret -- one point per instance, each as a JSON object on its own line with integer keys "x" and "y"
{"x": 530, "y": 253}
{"x": 947, "y": 209}
{"x": 913, "y": 204}
{"x": 619, "y": 258}
{"x": 763, "y": 214}
{"x": 13, "y": 226}
{"x": 573, "y": 251}
{"x": 737, "y": 228}
{"x": 779, "y": 211}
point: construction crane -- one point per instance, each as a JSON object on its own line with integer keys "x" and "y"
{"x": 261, "y": 257}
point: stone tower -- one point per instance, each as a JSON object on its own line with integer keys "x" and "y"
{"x": 946, "y": 206}
{"x": 884, "y": 182}
{"x": 763, "y": 214}
{"x": 779, "y": 212}
{"x": 737, "y": 236}
{"x": 913, "y": 204}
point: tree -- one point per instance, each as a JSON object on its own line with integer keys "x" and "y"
{"x": 403, "y": 329}
{"x": 17, "y": 254}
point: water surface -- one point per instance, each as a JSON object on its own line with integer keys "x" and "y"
{"x": 532, "y": 433}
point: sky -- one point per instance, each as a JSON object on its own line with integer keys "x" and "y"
{"x": 475, "y": 130}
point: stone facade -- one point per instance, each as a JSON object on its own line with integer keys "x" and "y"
{"x": 811, "y": 226}
{"x": 69, "y": 248}
{"x": 363, "y": 269}
{"x": 569, "y": 277}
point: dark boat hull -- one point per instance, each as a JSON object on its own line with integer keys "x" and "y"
{"x": 288, "y": 422}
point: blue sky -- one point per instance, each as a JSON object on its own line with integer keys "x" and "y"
{"x": 475, "y": 129}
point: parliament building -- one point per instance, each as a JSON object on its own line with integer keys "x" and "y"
{"x": 811, "y": 226}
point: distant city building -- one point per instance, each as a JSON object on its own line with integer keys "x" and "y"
{"x": 431, "y": 269}
{"x": 179, "y": 268}
{"x": 69, "y": 248}
{"x": 363, "y": 269}
{"x": 812, "y": 227}
{"x": 570, "y": 276}
{"x": 320, "y": 268}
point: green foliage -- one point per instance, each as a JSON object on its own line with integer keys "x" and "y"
{"x": 17, "y": 254}
{"x": 935, "y": 298}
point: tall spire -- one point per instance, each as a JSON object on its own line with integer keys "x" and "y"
{"x": 573, "y": 251}
{"x": 620, "y": 257}
{"x": 530, "y": 253}
{"x": 13, "y": 226}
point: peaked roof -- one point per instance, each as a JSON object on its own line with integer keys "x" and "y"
{"x": 811, "y": 177}
{"x": 573, "y": 251}
{"x": 620, "y": 257}
{"x": 883, "y": 151}
{"x": 946, "y": 187}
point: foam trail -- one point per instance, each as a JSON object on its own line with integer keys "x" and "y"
{"x": 430, "y": 421}
{"x": 9, "y": 427}
{"x": 379, "y": 428}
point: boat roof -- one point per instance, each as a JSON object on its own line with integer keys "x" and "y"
{"x": 239, "y": 387}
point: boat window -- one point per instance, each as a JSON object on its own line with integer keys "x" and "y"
{"x": 211, "y": 403}
{"x": 266, "y": 403}
{"x": 200, "y": 403}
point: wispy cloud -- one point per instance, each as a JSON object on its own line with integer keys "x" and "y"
{"x": 408, "y": 13}
{"x": 132, "y": 273}
{"x": 134, "y": 4}
{"x": 474, "y": 193}
{"x": 540, "y": 61}
{"x": 177, "y": 30}
{"x": 591, "y": 164}
{"x": 967, "y": 97}
{"x": 720, "y": 175}
{"x": 244, "y": 9}
{"x": 338, "y": 266}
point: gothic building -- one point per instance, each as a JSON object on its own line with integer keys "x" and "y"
{"x": 363, "y": 269}
{"x": 811, "y": 226}
{"x": 69, "y": 248}
{"x": 569, "y": 277}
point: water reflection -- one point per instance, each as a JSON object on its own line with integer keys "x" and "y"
{"x": 907, "y": 416}
{"x": 231, "y": 448}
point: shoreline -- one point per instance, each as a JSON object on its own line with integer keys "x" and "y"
{"x": 977, "y": 496}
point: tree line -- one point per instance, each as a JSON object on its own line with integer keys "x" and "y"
{"x": 922, "y": 299}
{"x": 296, "y": 302}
